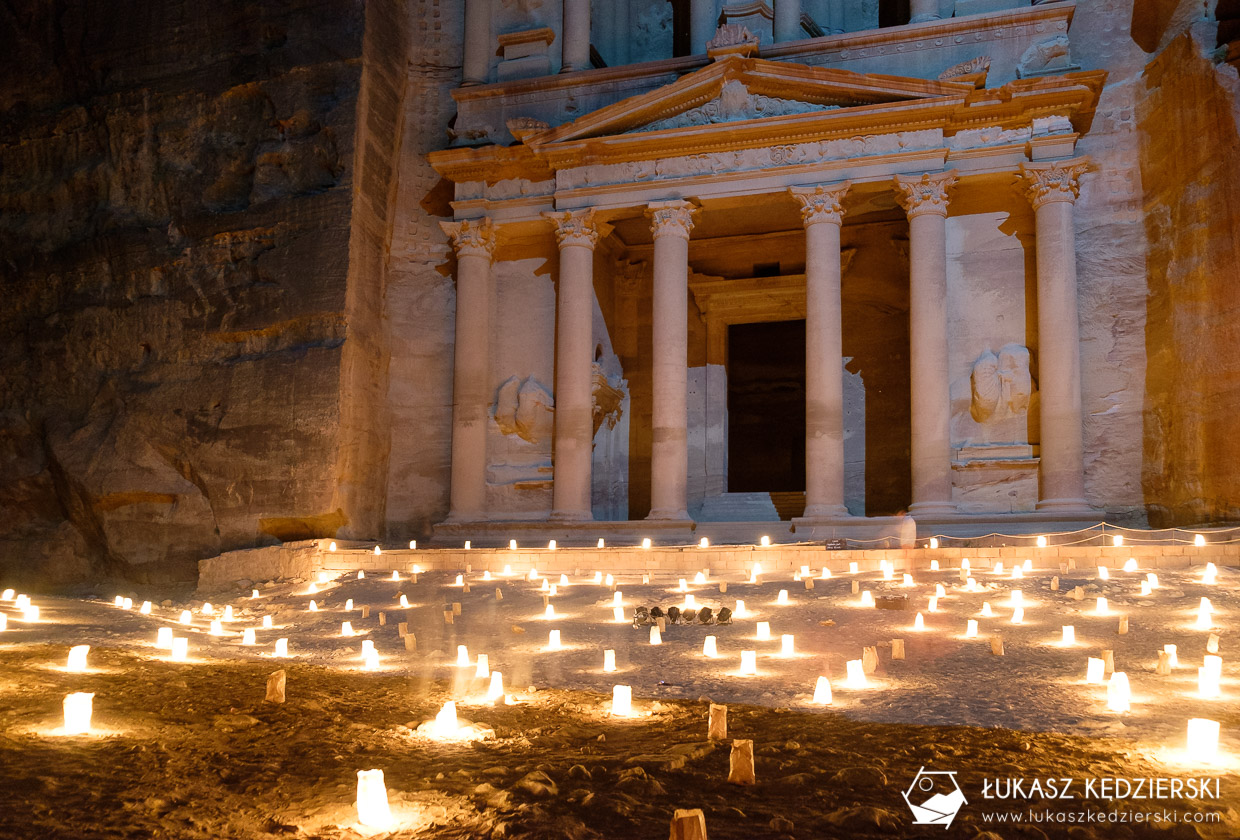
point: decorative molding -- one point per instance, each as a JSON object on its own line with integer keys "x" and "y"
{"x": 974, "y": 71}
{"x": 992, "y": 135}
{"x": 504, "y": 189}
{"x": 671, "y": 218}
{"x": 925, "y": 194}
{"x": 1054, "y": 181}
{"x": 522, "y": 127}
{"x": 1054, "y": 124}
{"x": 981, "y": 64}
{"x": 575, "y": 227}
{"x": 821, "y": 203}
{"x": 471, "y": 237}
{"x": 734, "y": 104}
{"x": 714, "y": 163}
{"x": 732, "y": 39}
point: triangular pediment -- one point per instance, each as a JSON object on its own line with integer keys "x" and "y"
{"x": 736, "y": 89}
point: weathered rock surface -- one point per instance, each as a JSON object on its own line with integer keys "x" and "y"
{"x": 176, "y": 202}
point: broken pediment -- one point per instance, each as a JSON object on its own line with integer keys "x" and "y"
{"x": 736, "y": 88}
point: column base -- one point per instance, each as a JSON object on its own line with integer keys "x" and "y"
{"x": 668, "y": 515}
{"x": 825, "y": 512}
{"x": 571, "y": 516}
{"x": 1064, "y": 506}
{"x": 924, "y": 18}
{"x": 932, "y": 508}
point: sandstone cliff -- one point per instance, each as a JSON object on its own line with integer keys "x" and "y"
{"x": 177, "y": 197}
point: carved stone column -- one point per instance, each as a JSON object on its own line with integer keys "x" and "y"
{"x": 703, "y": 21}
{"x": 925, "y": 200}
{"x": 923, "y": 10}
{"x": 1052, "y": 189}
{"x": 577, "y": 235}
{"x": 670, "y": 222}
{"x": 576, "y": 44}
{"x": 477, "y": 60}
{"x": 787, "y": 24}
{"x": 474, "y": 243}
{"x": 824, "y": 348}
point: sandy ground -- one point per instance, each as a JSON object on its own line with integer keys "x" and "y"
{"x": 191, "y": 750}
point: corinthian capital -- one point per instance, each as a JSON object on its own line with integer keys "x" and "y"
{"x": 927, "y": 193}
{"x": 471, "y": 237}
{"x": 1057, "y": 180}
{"x": 821, "y": 203}
{"x": 671, "y": 218}
{"x": 575, "y": 227}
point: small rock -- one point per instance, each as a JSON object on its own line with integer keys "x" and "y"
{"x": 578, "y": 771}
{"x": 863, "y": 818}
{"x": 581, "y": 796}
{"x": 861, "y": 777}
{"x": 538, "y": 783}
{"x": 783, "y": 826}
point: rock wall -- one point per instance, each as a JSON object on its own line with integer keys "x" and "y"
{"x": 176, "y": 194}
{"x": 1190, "y": 169}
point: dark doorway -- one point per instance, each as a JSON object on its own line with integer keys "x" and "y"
{"x": 766, "y": 407}
{"x": 893, "y": 13}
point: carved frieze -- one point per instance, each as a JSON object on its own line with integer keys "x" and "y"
{"x": 732, "y": 39}
{"x": 713, "y": 163}
{"x": 504, "y": 189}
{"x": 734, "y": 103}
{"x": 973, "y": 67}
{"x": 976, "y": 138}
{"x": 925, "y": 194}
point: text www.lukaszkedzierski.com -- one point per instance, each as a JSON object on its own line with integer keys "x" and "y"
{"x": 1102, "y": 817}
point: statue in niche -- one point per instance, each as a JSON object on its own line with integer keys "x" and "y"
{"x": 525, "y": 408}
{"x": 1001, "y": 384}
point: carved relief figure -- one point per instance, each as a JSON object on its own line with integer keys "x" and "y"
{"x": 608, "y": 395}
{"x": 525, "y": 409}
{"x": 1001, "y": 384}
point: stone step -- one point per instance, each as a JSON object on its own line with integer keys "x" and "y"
{"x": 789, "y": 504}
{"x": 738, "y": 507}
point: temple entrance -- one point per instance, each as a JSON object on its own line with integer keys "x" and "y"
{"x": 766, "y": 408}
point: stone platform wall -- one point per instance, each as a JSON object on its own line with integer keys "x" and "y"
{"x": 239, "y": 568}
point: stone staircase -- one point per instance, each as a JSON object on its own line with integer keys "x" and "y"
{"x": 789, "y": 504}
{"x": 739, "y": 507}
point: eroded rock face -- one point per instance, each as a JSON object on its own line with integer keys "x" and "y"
{"x": 1190, "y": 169}
{"x": 175, "y": 206}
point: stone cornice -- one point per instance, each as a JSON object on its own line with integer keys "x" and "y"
{"x": 1013, "y": 107}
